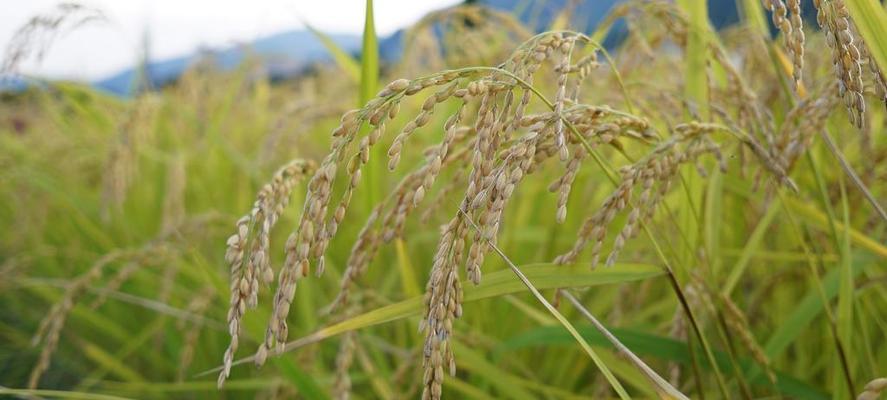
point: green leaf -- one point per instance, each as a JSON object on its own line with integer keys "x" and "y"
{"x": 646, "y": 344}
{"x": 663, "y": 388}
{"x": 599, "y": 363}
{"x": 59, "y": 394}
{"x": 109, "y": 362}
{"x": 818, "y": 219}
{"x": 753, "y": 15}
{"x": 808, "y": 308}
{"x": 369, "y": 80}
{"x": 467, "y": 390}
{"x": 751, "y": 248}
{"x": 499, "y": 283}
{"x": 506, "y": 384}
{"x": 845, "y": 298}
{"x": 342, "y": 58}
{"x": 696, "y": 54}
{"x": 871, "y": 21}
{"x": 210, "y": 386}
{"x": 369, "y": 58}
{"x": 308, "y": 388}
{"x": 409, "y": 281}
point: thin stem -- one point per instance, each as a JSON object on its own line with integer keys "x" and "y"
{"x": 658, "y": 382}
{"x": 830, "y": 144}
{"x": 563, "y": 320}
{"x": 676, "y": 287}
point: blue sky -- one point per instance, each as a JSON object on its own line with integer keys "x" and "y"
{"x": 178, "y": 27}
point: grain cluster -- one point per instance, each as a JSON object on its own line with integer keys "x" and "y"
{"x": 503, "y": 129}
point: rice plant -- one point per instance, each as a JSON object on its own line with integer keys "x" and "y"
{"x": 692, "y": 214}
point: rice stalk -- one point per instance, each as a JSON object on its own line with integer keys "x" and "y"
{"x": 34, "y": 38}
{"x": 50, "y": 328}
{"x": 498, "y": 142}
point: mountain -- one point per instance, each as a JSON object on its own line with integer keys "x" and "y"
{"x": 284, "y": 54}
{"x": 539, "y": 15}
{"x": 13, "y": 84}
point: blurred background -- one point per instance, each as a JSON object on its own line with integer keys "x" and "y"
{"x": 167, "y": 36}
{"x": 170, "y": 34}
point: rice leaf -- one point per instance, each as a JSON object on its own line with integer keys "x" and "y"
{"x": 808, "y": 308}
{"x": 300, "y": 379}
{"x": 60, "y": 394}
{"x": 342, "y": 58}
{"x": 846, "y": 301}
{"x": 649, "y": 345}
{"x": 369, "y": 58}
{"x": 696, "y": 55}
{"x": 751, "y": 248}
{"x": 871, "y": 20}
{"x": 499, "y": 283}
{"x": 663, "y": 388}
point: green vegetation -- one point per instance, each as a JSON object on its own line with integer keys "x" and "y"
{"x": 680, "y": 217}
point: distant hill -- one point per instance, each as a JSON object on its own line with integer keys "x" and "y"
{"x": 284, "y": 54}
{"x": 540, "y": 14}
{"x": 12, "y": 84}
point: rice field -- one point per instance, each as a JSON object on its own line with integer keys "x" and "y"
{"x": 500, "y": 214}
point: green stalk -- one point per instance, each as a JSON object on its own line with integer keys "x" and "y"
{"x": 369, "y": 81}
{"x": 663, "y": 388}
{"x": 557, "y": 315}
{"x": 871, "y": 21}
{"x": 754, "y": 18}
{"x": 845, "y": 291}
{"x": 696, "y": 54}
{"x": 369, "y": 60}
{"x": 696, "y": 57}
{"x": 666, "y": 265}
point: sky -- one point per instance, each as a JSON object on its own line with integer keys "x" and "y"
{"x": 177, "y": 27}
